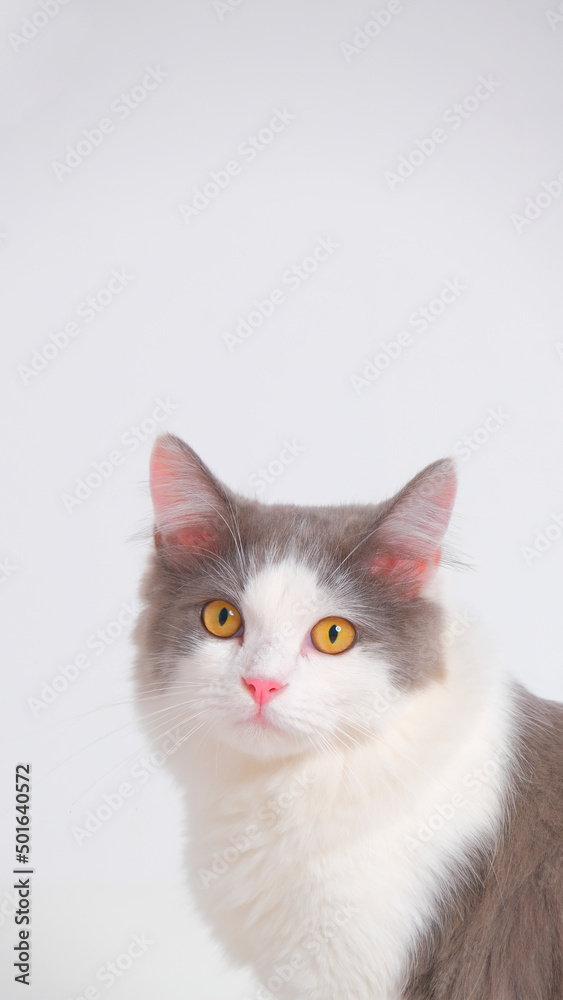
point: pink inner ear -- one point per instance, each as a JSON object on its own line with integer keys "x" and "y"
{"x": 177, "y": 502}
{"x": 445, "y": 497}
{"x": 194, "y": 538}
{"x": 164, "y": 484}
{"x": 407, "y": 575}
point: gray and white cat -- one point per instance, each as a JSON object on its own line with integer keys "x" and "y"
{"x": 375, "y": 811}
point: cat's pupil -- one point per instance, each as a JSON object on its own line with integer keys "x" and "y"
{"x": 333, "y": 632}
{"x": 223, "y": 615}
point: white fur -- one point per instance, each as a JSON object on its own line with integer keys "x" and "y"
{"x": 309, "y": 850}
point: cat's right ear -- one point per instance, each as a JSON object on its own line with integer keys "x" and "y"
{"x": 190, "y": 506}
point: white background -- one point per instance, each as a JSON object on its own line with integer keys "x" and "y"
{"x": 458, "y": 216}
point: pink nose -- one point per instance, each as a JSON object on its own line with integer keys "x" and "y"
{"x": 261, "y": 690}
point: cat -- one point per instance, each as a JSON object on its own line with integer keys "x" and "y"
{"x": 375, "y": 809}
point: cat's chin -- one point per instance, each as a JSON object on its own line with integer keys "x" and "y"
{"x": 261, "y": 738}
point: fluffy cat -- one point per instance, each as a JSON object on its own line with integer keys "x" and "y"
{"x": 375, "y": 811}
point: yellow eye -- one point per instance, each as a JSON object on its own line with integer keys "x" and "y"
{"x": 221, "y": 618}
{"x": 333, "y": 635}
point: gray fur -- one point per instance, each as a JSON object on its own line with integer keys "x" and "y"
{"x": 501, "y": 936}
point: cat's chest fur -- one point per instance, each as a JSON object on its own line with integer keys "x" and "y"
{"x": 322, "y": 871}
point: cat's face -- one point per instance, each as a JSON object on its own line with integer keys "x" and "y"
{"x": 279, "y": 628}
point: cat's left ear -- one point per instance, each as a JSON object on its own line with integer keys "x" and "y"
{"x": 405, "y": 546}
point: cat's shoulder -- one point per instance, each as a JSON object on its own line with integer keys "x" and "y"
{"x": 502, "y": 931}
{"x": 538, "y": 751}
{"x": 535, "y": 827}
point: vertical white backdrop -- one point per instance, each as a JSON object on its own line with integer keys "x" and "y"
{"x": 322, "y": 243}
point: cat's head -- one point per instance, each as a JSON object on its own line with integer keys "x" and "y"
{"x": 277, "y": 627}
